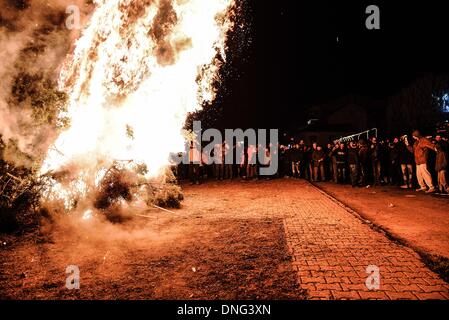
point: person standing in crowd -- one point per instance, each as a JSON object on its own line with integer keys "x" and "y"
{"x": 284, "y": 161}
{"x": 302, "y": 154}
{"x": 333, "y": 159}
{"x": 296, "y": 157}
{"x": 393, "y": 162}
{"x": 341, "y": 158}
{"x": 251, "y": 165}
{"x": 259, "y": 159}
{"x": 420, "y": 149}
{"x": 240, "y": 159}
{"x": 204, "y": 168}
{"x": 441, "y": 164}
{"x": 375, "y": 161}
{"x": 194, "y": 163}
{"x": 274, "y": 150}
{"x": 353, "y": 161}
{"x": 227, "y": 151}
{"x": 384, "y": 160}
{"x": 266, "y": 161}
{"x": 364, "y": 160}
{"x": 218, "y": 161}
{"x": 308, "y": 153}
{"x": 299, "y": 149}
{"x": 406, "y": 161}
{"x": 328, "y": 161}
{"x": 318, "y": 157}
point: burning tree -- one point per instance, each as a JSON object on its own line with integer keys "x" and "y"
{"x": 18, "y": 197}
{"x": 136, "y": 72}
{"x": 32, "y": 107}
{"x": 20, "y": 183}
{"x": 120, "y": 104}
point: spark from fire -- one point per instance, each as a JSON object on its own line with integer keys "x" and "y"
{"x": 137, "y": 70}
{"x": 87, "y": 215}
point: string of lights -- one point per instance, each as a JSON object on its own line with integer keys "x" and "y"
{"x": 358, "y": 135}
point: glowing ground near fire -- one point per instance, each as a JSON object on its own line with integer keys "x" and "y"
{"x": 230, "y": 240}
{"x": 211, "y": 248}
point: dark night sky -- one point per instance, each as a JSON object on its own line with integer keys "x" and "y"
{"x": 296, "y": 61}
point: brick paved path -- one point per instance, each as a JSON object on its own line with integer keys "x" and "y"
{"x": 332, "y": 249}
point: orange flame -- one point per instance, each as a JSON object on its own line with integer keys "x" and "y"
{"x": 138, "y": 69}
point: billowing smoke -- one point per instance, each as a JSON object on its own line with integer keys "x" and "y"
{"x": 34, "y": 40}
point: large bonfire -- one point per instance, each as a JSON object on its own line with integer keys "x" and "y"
{"x": 137, "y": 70}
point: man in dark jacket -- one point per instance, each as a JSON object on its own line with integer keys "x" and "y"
{"x": 353, "y": 161}
{"x": 406, "y": 161}
{"x": 284, "y": 161}
{"x": 341, "y": 158}
{"x": 393, "y": 162}
{"x": 364, "y": 161}
{"x": 309, "y": 161}
{"x": 318, "y": 157}
{"x": 376, "y": 161}
{"x": 328, "y": 161}
{"x": 442, "y": 163}
{"x": 333, "y": 160}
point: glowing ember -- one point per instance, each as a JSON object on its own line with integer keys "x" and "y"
{"x": 87, "y": 214}
{"x": 137, "y": 70}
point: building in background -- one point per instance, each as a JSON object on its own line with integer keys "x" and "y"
{"x": 339, "y": 118}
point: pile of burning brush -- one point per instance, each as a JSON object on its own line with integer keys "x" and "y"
{"x": 19, "y": 197}
{"x": 125, "y": 183}
{"x": 114, "y": 192}
{"x": 26, "y": 197}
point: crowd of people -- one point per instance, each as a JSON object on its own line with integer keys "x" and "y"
{"x": 403, "y": 162}
{"x": 417, "y": 162}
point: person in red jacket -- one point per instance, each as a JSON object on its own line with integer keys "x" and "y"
{"x": 421, "y": 149}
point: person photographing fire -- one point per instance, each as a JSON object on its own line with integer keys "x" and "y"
{"x": 420, "y": 149}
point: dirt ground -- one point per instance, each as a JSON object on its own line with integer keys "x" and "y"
{"x": 421, "y": 220}
{"x": 224, "y": 243}
{"x": 237, "y": 240}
